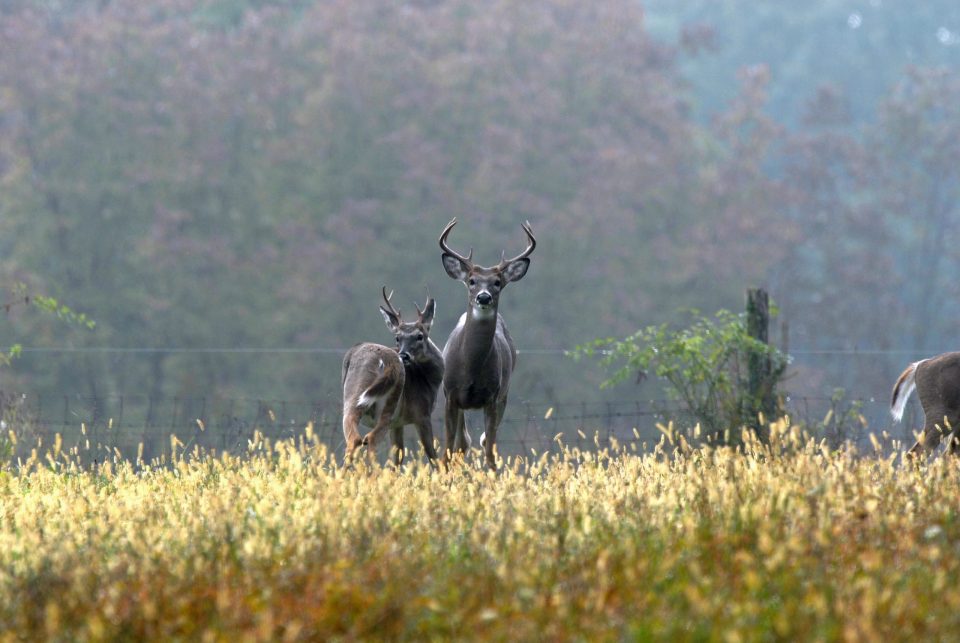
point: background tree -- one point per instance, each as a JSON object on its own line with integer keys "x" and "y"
{"x": 863, "y": 46}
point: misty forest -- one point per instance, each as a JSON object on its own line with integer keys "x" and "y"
{"x": 222, "y": 187}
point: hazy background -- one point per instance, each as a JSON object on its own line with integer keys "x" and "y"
{"x": 224, "y": 186}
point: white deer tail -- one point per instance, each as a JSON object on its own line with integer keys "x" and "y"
{"x": 902, "y": 390}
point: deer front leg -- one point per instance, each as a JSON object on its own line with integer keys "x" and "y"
{"x": 489, "y": 440}
{"x": 425, "y": 431}
{"x": 450, "y": 418}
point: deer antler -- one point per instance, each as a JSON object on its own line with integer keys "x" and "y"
{"x": 389, "y": 307}
{"x": 417, "y": 306}
{"x": 468, "y": 260}
{"x": 531, "y": 244}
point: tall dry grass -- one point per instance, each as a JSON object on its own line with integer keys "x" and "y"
{"x": 791, "y": 541}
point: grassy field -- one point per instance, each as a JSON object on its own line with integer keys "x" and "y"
{"x": 785, "y": 542}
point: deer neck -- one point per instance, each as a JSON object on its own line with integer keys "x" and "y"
{"x": 479, "y": 331}
{"x": 421, "y": 383}
{"x": 428, "y": 372}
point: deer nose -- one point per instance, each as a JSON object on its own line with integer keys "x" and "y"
{"x": 484, "y": 298}
{"x": 405, "y": 356}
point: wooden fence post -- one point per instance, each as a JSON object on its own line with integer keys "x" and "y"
{"x": 759, "y": 379}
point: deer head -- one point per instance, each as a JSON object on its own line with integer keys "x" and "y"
{"x": 412, "y": 338}
{"x": 485, "y": 284}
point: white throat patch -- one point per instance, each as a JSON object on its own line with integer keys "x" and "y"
{"x": 483, "y": 312}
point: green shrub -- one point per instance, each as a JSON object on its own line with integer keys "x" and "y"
{"x": 704, "y": 367}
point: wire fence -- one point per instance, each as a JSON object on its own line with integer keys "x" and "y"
{"x": 137, "y": 424}
{"x": 149, "y": 425}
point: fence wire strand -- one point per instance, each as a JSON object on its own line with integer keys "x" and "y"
{"x": 226, "y": 423}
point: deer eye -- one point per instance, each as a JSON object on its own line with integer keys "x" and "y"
{"x": 420, "y": 337}
{"x": 496, "y": 283}
{"x": 472, "y": 282}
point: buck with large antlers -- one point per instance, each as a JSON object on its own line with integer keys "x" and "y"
{"x": 391, "y": 388}
{"x": 479, "y": 355}
{"x": 937, "y": 382}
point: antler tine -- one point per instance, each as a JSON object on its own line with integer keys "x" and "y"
{"x": 425, "y": 303}
{"x": 443, "y": 244}
{"x": 386, "y": 300}
{"x": 531, "y": 244}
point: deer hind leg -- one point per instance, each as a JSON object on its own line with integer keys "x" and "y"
{"x": 384, "y": 421}
{"x": 952, "y": 434}
{"x": 953, "y": 442}
{"x": 397, "y": 446}
{"x": 351, "y": 435}
{"x": 462, "y": 441}
{"x": 449, "y": 429}
{"x": 933, "y": 431}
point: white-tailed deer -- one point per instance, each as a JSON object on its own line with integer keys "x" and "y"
{"x": 479, "y": 355}
{"x": 937, "y": 382}
{"x": 393, "y": 387}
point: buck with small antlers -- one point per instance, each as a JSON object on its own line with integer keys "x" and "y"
{"x": 937, "y": 382}
{"x": 391, "y": 388}
{"x": 479, "y": 355}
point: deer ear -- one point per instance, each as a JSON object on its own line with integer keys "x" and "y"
{"x": 454, "y": 267}
{"x": 426, "y": 317}
{"x": 515, "y": 270}
{"x": 393, "y": 322}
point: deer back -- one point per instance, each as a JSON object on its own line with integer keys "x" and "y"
{"x": 370, "y": 374}
{"x": 938, "y": 382}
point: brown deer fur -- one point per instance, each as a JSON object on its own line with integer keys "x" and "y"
{"x": 937, "y": 382}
